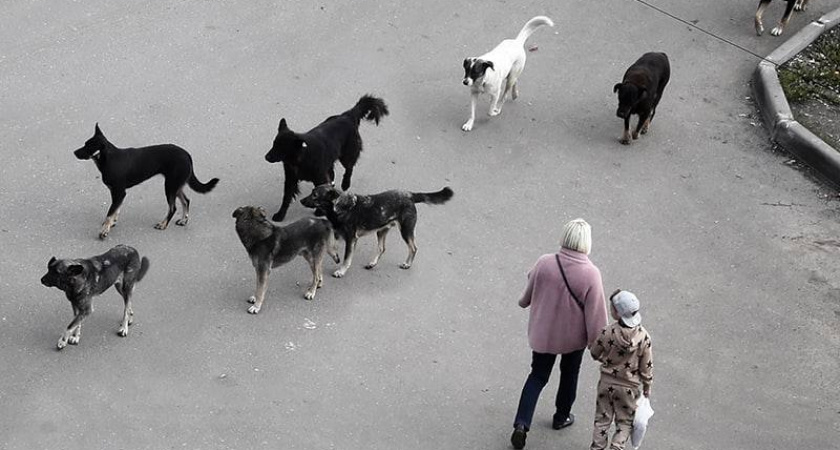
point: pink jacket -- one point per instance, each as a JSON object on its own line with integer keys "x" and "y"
{"x": 557, "y": 324}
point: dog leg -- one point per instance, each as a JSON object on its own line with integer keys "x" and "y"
{"x": 348, "y": 257}
{"x": 468, "y": 126}
{"x": 170, "y": 199}
{"x": 76, "y": 336}
{"x": 496, "y": 100}
{"x": 314, "y": 265}
{"x": 185, "y": 208}
{"x": 117, "y": 197}
{"x": 514, "y": 91}
{"x": 643, "y": 121}
{"x": 759, "y": 13}
{"x": 127, "y": 312}
{"x": 646, "y": 125}
{"x": 801, "y": 5}
{"x": 259, "y": 295}
{"x": 380, "y": 237}
{"x": 412, "y": 251}
{"x": 73, "y": 332}
{"x": 780, "y": 28}
{"x": 290, "y": 190}
{"x": 625, "y": 136}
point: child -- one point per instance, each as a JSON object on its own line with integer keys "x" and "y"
{"x": 624, "y": 351}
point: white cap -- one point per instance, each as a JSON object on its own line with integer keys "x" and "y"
{"x": 627, "y": 306}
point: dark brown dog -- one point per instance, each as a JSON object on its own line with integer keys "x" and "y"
{"x": 640, "y": 92}
{"x": 798, "y": 5}
{"x": 83, "y": 279}
{"x": 269, "y": 246}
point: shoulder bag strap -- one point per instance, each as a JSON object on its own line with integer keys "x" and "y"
{"x": 562, "y": 272}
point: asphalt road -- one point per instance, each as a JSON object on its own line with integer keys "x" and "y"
{"x": 732, "y": 251}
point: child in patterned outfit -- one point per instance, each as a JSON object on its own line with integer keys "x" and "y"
{"x": 624, "y": 351}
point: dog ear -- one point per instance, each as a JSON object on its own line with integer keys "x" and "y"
{"x": 237, "y": 212}
{"x": 617, "y": 87}
{"x": 467, "y": 63}
{"x": 489, "y": 65}
{"x": 75, "y": 269}
{"x": 283, "y": 125}
{"x": 52, "y": 260}
{"x": 96, "y": 130}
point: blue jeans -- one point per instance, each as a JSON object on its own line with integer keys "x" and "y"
{"x": 541, "y": 365}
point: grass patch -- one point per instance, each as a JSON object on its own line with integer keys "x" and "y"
{"x": 814, "y": 74}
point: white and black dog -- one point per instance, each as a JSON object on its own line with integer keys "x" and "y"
{"x": 497, "y": 71}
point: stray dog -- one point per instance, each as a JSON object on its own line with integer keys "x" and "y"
{"x": 311, "y": 156}
{"x": 82, "y": 279}
{"x": 505, "y": 63}
{"x": 641, "y": 91}
{"x": 354, "y": 216}
{"x": 799, "y": 5}
{"x": 270, "y": 246}
{"x": 123, "y": 168}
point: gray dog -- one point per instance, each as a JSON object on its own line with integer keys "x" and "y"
{"x": 269, "y": 245}
{"x": 83, "y": 279}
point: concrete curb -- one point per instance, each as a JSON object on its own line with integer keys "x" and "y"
{"x": 775, "y": 110}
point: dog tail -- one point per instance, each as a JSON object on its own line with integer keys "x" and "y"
{"x": 202, "y": 188}
{"x": 144, "y": 266}
{"x": 435, "y": 198}
{"x": 370, "y": 108}
{"x": 532, "y": 26}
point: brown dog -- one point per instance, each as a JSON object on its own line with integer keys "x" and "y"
{"x": 798, "y": 5}
{"x": 640, "y": 92}
{"x": 270, "y": 246}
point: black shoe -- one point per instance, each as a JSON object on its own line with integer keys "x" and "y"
{"x": 558, "y": 424}
{"x": 517, "y": 439}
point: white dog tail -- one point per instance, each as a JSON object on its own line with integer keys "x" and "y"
{"x": 532, "y": 26}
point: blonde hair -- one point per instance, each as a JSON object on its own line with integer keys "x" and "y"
{"x": 577, "y": 236}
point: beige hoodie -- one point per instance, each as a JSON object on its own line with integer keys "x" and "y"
{"x": 626, "y": 356}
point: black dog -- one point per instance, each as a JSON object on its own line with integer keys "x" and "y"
{"x": 354, "y": 216}
{"x": 82, "y": 279}
{"x": 123, "y": 168}
{"x": 641, "y": 91}
{"x": 311, "y": 156}
{"x": 798, "y": 5}
{"x": 269, "y": 246}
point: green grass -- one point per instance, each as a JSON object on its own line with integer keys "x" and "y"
{"x": 814, "y": 74}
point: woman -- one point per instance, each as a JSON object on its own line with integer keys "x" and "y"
{"x": 568, "y": 310}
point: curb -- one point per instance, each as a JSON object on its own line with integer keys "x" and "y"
{"x": 775, "y": 110}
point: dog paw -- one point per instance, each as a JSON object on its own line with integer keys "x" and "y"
{"x": 370, "y": 266}
{"x": 181, "y": 222}
{"x": 309, "y": 295}
{"x": 405, "y": 266}
{"x": 161, "y": 225}
{"x": 494, "y": 112}
{"x": 467, "y": 126}
{"x": 103, "y": 234}
{"x": 644, "y": 130}
{"x": 635, "y": 135}
{"x": 252, "y": 300}
{"x": 253, "y": 309}
{"x": 625, "y": 140}
{"x": 123, "y": 332}
{"x": 800, "y": 6}
{"x": 759, "y": 28}
{"x": 339, "y": 273}
{"x": 74, "y": 340}
{"x": 777, "y": 31}
{"x": 61, "y": 343}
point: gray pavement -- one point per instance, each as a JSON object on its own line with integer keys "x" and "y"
{"x": 732, "y": 252}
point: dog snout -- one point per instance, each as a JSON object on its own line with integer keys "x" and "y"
{"x": 467, "y": 82}
{"x": 80, "y": 153}
{"x": 270, "y": 157}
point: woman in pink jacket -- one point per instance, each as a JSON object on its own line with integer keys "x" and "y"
{"x": 568, "y": 311}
